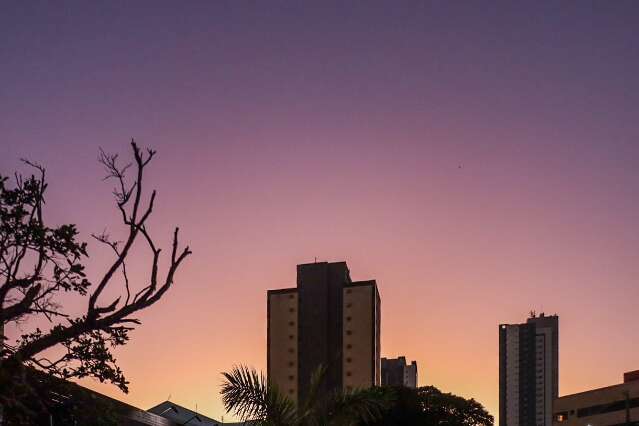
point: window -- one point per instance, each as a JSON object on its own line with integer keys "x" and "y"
{"x": 291, "y": 337}
{"x": 291, "y": 310}
{"x": 291, "y": 378}
{"x": 348, "y": 319}
{"x": 348, "y": 359}
{"x": 607, "y": 408}
{"x": 348, "y": 332}
{"x": 291, "y": 364}
{"x": 291, "y": 323}
{"x": 348, "y": 374}
{"x": 349, "y": 346}
{"x": 291, "y": 350}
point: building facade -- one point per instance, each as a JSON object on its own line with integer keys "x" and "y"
{"x": 327, "y": 320}
{"x": 396, "y": 372}
{"x": 616, "y": 405}
{"x": 175, "y": 415}
{"x": 68, "y": 403}
{"x": 528, "y": 371}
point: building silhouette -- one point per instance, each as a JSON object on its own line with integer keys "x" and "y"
{"x": 68, "y": 403}
{"x": 528, "y": 371}
{"x": 396, "y": 372}
{"x": 177, "y": 415}
{"x": 327, "y": 320}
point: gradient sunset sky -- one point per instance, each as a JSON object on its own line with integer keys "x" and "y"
{"x": 478, "y": 159}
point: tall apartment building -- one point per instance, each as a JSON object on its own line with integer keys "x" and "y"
{"x": 326, "y": 320}
{"x": 528, "y": 371}
{"x": 396, "y": 372}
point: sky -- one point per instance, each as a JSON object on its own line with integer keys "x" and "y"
{"x": 478, "y": 159}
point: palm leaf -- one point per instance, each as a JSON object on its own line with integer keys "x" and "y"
{"x": 357, "y": 406}
{"x": 247, "y": 394}
{"x": 309, "y": 406}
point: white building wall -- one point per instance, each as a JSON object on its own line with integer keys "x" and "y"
{"x": 540, "y": 378}
{"x": 512, "y": 375}
{"x": 546, "y": 368}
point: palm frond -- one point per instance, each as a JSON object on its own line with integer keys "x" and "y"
{"x": 358, "y": 406}
{"x": 281, "y": 411}
{"x": 309, "y": 405}
{"x": 247, "y": 394}
{"x": 244, "y": 392}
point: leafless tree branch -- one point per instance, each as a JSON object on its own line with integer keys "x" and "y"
{"x": 33, "y": 293}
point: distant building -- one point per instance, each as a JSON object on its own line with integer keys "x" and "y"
{"x": 528, "y": 371}
{"x": 616, "y": 405}
{"x": 395, "y": 372}
{"x": 326, "y": 320}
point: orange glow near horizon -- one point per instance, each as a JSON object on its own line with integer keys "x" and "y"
{"x": 478, "y": 161}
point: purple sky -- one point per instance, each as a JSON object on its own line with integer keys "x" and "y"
{"x": 289, "y": 130}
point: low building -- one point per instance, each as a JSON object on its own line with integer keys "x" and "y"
{"x": 616, "y": 405}
{"x": 396, "y": 372}
{"x": 179, "y": 415}
{"x": 62, "y": 402}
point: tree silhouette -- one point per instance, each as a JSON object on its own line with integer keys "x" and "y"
{"x": 429, "y": 406}
{"x": 251, "y": 397}
{"x": 39, "y": 262}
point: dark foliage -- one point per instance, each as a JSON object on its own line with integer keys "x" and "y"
{"x": 39, "y": 262}
{"x": 429, "y": 406}
{"x": 248, "y": 394}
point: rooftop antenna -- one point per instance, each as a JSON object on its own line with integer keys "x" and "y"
{"x": 168, "y": 398}
{"x": 315, "y": 259}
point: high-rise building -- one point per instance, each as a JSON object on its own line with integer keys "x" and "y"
{"x": 327, "y": 320}
{"x": 396, "y": 372}
{"x": 528, "y": 371}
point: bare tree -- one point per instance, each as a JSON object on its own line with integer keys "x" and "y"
{"x": 38, "y": 263}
